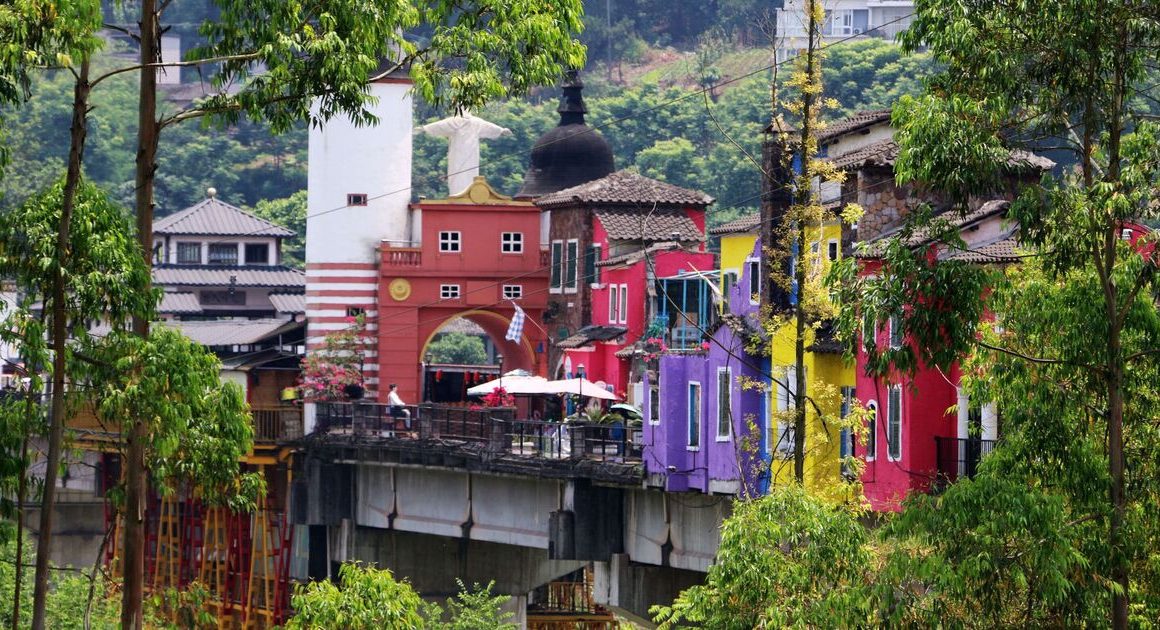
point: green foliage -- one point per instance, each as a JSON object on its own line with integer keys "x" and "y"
{"x": 289, "y": 212}
{"x": 366, "y": 599}
{"x": 67, "y": 599}
{"x": 458, "y": 348}
{"x": 786, "y": 559}
{"x": 475, "y": 609}
{"x": 198, "y": 426}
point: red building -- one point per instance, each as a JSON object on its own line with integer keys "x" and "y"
{"x": 479, "y": 254}
{"x": 611, "y": 240}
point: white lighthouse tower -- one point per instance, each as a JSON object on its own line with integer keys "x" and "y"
{"x": 359, "y": 189}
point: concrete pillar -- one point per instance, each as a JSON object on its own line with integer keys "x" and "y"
{"x": 518, "y": 606}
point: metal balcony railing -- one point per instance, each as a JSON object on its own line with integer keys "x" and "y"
{"x": 495, "y": 429}
{"x": 956, "y": 458}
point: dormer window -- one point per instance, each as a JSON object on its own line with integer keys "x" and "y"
{"x": 188, "y": 253}
{"x": 223, "y": 254}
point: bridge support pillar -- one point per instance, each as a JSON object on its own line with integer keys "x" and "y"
{"x": 630, "y": 589}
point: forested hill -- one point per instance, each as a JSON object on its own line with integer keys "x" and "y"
{"x": 659, "y": 120}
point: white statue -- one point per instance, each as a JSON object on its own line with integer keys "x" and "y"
{"x": 463, "y": 133}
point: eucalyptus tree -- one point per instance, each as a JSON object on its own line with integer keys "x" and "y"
{"x": 1077, "y": 321}
{"x": 316, "y": 62}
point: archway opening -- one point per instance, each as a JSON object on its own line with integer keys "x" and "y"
{"x": 468, "y": 349}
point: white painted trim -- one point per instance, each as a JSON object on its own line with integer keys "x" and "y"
{"x": 728, "y": 437}
{"x": 889, "y": 409}
{"x": 700, "y": 416}
{"x": 871, "y": 456}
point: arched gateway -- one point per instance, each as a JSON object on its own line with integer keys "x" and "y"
{"x": 479, "y": 256}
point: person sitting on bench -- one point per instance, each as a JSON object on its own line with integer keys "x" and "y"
{"x": 398, "y": 407}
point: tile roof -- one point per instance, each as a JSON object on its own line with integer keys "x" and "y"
{"x": 220, "y": 276}
{"x": 179, "y": 303}
{"x": 232, "y": 332}
{"x": 638, "y": 255}
{"x": 857, "y": 122}
{"x": 588, "y": 334}
{"x": 922, "y": 236}
{"x": 738, "y": 226}
{"x": 214, "y": 217}
{"x": 1005, "y": 249}
{"x": 885, "y": 152}
{"x": 288, "y": 302}
{"x": 627, "y": 188}
{"x": 636, "y": 225}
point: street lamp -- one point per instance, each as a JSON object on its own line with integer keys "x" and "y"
{"x": 499, "y": 362}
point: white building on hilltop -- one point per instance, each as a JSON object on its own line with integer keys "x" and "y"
{"x": 844, "y": 19}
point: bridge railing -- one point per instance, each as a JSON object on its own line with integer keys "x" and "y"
{"x": 496, "y": 429}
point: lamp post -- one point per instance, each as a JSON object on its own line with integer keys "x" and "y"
{"x": 426, "y": 366}
{"x": 499, "y": 362}
{"x": 580, "y": 374}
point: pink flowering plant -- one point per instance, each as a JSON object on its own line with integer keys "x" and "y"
{"x": 654, "y": 347}
{"x": 499, "y": 397}
{"x": 328, "y": 370}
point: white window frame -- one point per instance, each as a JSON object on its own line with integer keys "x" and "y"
{"x": 597, "y": 250}
{"x": 785, "y": 402}
{"x": 450, "y": 242}
{"x": 511, "y": 242}
{"x": 513, "y": 291}
{"x": 725, "y": 412}
{"x": 750, "y": 265}
{"x": 689, "y": 408}
{"x": 189, "y": 245}
{"x": 895, "y": 325}
{"x": 556, "y": 265}
{"x": 613, "y": 304}
{"x": 622, "y": 294}
{"x": 894, "y": 417}
{"x": 449, "y": 292}
{"x": 872, "y": 441}
{"x": 766, "y": 414}
{"x": 571, "y": 263}
{"x": 654, "y": 416}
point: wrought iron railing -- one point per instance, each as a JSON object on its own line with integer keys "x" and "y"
{"x": 496, "y": 429}
{"x": 277, "y": 423}
{"x": 956, "y": 458}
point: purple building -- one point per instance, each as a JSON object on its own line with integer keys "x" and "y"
{"x": 709, "y": 432}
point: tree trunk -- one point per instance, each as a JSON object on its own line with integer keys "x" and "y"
{"x": 801, "y": 256}
{"x": 21, "y": 495}
{"x": 59, "y": 343}
{"x": 133, "y": 556}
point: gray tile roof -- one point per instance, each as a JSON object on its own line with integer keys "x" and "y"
{"x": 220, "y": 276}
{"x": 1003, "y": 250}
{"x": 214, "y": 217}
{"x": 233, "y": 332}
{"x": 179, "y": 303}
{"x": 860, "y": 120}
{"x": 885, "y": 152}
{"x": 625, "y": 188}
{"x": 588, "y": 334}
{"x": 738, "y": 226}
{"x": 636, "y": 256}
{"x": 660, "y": 224}
{"x": 288, "y": 302}
{"x": 924, "y": 236}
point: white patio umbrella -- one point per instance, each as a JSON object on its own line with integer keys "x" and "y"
{"x": 512, "y": 383}
{"x": 581, "y": 387}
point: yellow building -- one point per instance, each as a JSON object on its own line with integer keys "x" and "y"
{"x": 829, "y": 379}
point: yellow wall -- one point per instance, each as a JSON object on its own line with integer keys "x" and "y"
{"x": 735, "y": 248}
{"x": 826, "y": 374}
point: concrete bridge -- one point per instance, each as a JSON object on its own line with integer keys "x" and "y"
{"x": 479, "y": 495}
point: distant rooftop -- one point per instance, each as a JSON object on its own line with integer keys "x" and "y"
{"x": 224, "y": 276}
{"x": 625, "y": 188}
{"x": 214, "y": 217}
{"x": 857, "y": 122}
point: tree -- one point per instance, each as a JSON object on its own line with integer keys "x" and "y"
{"x": 290, "y": 213}
{"x": 1066, "y": 75}
{"x": 471, "y": 54}
{"x": 458, "y": 348}
{"x": 329, "y": 371}
{"x": 366, "y": 599}
{"x": 786, "y": 559}
{"x": 105, "y": 279}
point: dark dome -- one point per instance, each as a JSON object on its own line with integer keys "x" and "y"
{"x": 569, "y": 154}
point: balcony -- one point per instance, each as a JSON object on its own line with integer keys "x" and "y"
{"x": 276, "y": 424}
{"x": 401, "y": 256}
{"x": 957, "y": 458}
{"x": 491, "y": 438}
